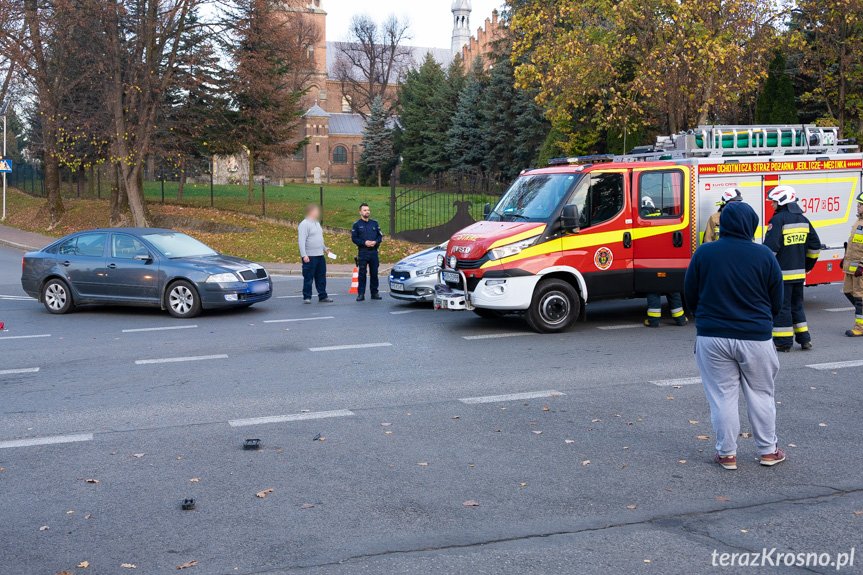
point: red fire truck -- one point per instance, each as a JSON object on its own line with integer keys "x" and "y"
{"x": 583, "y": 230}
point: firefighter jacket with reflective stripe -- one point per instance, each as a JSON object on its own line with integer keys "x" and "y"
{"x": 711, "y": 232}
{"x": 794, "y": 241}
{"x": 854, "y": 251}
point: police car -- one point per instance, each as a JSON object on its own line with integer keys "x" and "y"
{"x": 413, "y": 278}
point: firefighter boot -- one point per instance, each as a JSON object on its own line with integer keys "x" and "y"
{"x": 652, "y": 322}
{"x": 857, "y": 331}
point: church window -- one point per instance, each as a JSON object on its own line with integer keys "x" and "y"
{"x": 340, "y": 155}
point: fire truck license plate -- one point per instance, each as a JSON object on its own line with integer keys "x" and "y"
{"x": 451, "y": 277}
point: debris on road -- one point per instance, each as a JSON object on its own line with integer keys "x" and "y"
{"x": 263, "y": 494}
{"x": 306, "y": 506}
{"x": 252, "y": 444}
{"x": 187, "y": 565}
{"x": 470, "y": 503}
{"x": 188, "y": 504}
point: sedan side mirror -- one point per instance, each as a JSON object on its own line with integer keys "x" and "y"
{"x": 143, "y": 257}
{"x": 569, "y": 218}
{"x": 486, "y": 210}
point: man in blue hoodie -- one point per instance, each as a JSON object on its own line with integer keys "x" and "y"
{"x": 734, "y": 289}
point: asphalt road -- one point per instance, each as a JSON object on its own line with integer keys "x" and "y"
{"x": 598, "y": 468}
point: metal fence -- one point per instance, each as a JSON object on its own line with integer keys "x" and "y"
{"x": 433, "y": 210}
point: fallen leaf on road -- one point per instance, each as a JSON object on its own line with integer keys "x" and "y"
{"x": 669, "y": 398}
{"x": 189, "y": 564}
{"x": 569, "y": 441}
{"x": 631, "y": 506}
{"x": 91, "y": 481}
{"x": 681, "y": 461}
{"x": 43, "y": 528}
{"x": 546, "y": 408}
{"x": 305, "y": 410}
{"x": 306, "y": 506}
{"x": 616, "y": 415}
{"x": 423, "y": 464}
{"x": 128, "y": 566}
{"x": 388, "y": 432}
{"x": 386, "y": 424}
{"x": 625, "y": 447}
{"x": 263, "y": 494}
{"x": 628, "y": 423}
{"x": 555, "y": 395}
{"x": 87, "y": 516}
{"x": 69, "y": 512}
{"x": 722, "y": 499}
{"x": 83, "y": 564}
{"x": 693, "y": 421}
{"x": 524, "y": 484}
{"x": 677, "y": 387}
{"x": 195, "y": 479}
{"x": 810, "y": 387}
{"x": 791, "y": 445}
{"x": 703, "y": 436}
{"x": 745, "y": 435}
{"x": 744, "y": 531}
{"x": 647, "y": 560}
{"x": 536, "y": 432}
{"x": 594, "y": 421}
{"x": 586, "y": 462}
{"x": 623, "y": 466}
{"x": 138, "y": 455}
{"x": 858, "y": 513}
{"x": 470, "y": 503}
{"x": 822, "y": 425}
{"x": 455, "y": 417}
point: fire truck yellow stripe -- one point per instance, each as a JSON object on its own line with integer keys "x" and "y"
{"x": 518, "y": 237}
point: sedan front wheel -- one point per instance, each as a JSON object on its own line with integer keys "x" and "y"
{"x": 56, "y": 296}
{"x": 182, "y": 300}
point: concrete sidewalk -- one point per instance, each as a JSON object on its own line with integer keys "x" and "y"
{"x": 28, "y": 241}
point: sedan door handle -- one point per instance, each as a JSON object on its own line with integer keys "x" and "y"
{"x": 66, "y": 263}
{"x": 112, "y": 266}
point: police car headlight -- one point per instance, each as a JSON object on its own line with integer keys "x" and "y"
{"x": 227, "y": 278}
{"x": 511, "y": 249}
{"x": 429, "y": 271}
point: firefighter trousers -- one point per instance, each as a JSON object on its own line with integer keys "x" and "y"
{"x": 853, "y": 290}
{"x": 858, "y": 306}
{"x": 654, "y": 307}
{"x": 790, "y": 324}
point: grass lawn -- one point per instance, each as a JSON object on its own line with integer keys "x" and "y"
{"x": 266, "y": 242}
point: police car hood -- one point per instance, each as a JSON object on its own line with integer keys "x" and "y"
{"x": 738, "y": 220}
{"x": 476, "y": 240}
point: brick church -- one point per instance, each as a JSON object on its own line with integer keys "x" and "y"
{"x": 333, "y": 128}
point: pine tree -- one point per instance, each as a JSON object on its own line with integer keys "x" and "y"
{"x": 377, "y": 138}
{"x": 441, "y": 114}
{"x": 418, "y": 117}
{"x": 467, "y": 145}
{"x": 776, "y": 104}
{"x": 784, "y": 105}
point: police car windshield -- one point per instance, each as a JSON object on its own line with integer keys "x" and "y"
{"x": 533, "y": 197}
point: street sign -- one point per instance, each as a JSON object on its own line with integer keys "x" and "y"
{"x": 5, "y": 166}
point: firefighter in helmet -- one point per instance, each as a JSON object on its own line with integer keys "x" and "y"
{"x": 648, "y": 208}
{"x": 711, "y": 232}
{"x": 852, "y": 265}
{"x": 796, "y": 244}
{"x": 654, "y": 300}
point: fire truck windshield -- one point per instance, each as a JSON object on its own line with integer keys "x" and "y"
{"x": 533, "y": 197}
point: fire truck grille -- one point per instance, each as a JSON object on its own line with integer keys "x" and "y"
{"x": 471, "y": 264}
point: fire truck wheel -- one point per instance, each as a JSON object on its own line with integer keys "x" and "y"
{"x": 555, "y": 306}
{"x": 487, "y": 313}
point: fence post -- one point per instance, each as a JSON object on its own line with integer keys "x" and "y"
{"x": 99, "y": 182}
{"x": 263, "y": 197}
{"x": 162, "y": 173}
{"x": 393, "y": 203}
{"x": 211, "y": 183}
{"x": 322, "y": 204}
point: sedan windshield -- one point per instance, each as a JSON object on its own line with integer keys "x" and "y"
{"x": 533, "y": 197}
{"x": 178, "y": 245}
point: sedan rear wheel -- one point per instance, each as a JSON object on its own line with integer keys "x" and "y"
{"x": 182, "y": 300}
{"x": 56, "y": 296}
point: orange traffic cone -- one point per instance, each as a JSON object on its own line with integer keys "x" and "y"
{"x": 355, "y": 281}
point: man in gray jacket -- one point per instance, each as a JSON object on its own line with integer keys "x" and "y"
{"x": 312, "y": 250}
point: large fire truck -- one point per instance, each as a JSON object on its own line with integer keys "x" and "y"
{"x": 582, "y": 229}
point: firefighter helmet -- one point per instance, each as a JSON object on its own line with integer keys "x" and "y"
{"x": 732, "y": 195}
{"x": 860, "y": 197}
{"x": 783, "y": 195}
{"x": 647, "y": 202}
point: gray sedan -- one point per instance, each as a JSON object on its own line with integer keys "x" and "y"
{"x": 414, "y": 278}
{"x": 141, "y": 266}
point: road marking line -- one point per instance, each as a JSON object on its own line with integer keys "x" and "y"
{"x": 627, "y": 326}
{"x": 17, "y": 297}
{"x": 511, "y": 397}
{"x": 836, "y": 365}
{"x": 46, "y": 440}
{"x": 298, "y": 319}
{"x": 354, "y": 346}
{"x": 680, "y": 381}
{"x": 402, "y": 312}
{"x": 292, "y": 417}
{"x": 835, "y": 309}
{"x": 24, "y": 336}
{"x": 22, "y": 370}
{"x": 499, "y": 335}
{"x": 299, "y": 296}
{"x": 178, "y": 359}
{"x": 159, "y": 328}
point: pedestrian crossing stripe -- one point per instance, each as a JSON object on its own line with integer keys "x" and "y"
{"x": 5, "y": 166}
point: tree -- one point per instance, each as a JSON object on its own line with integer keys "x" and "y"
{"x": 419, "y": 117}
{"x": 776, "y": 103}
{"x": 372, "y": 60}
{"x": 466, "y": 142}
{"x": 629, "y": 63}
{"x": 263, "y": 112}
{"x": 377, "y": 138}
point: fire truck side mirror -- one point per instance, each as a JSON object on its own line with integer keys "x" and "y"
{"x": 569, "y": 218}
{"x": 486, "y": 210}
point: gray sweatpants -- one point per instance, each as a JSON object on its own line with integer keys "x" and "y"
{"x": 726, "y": 365}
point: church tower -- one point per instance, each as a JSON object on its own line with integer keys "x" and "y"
{"x": 461, "y": 24}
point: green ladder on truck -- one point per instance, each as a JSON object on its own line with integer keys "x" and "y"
{"x": 717, "y": 141}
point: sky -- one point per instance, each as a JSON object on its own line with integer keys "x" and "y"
{"x": 430, "y": 20}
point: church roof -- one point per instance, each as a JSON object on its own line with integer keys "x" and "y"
{"x": 418, "y": 53}
{"x": 346, "y": 125}
{"x": 316, "y": 112}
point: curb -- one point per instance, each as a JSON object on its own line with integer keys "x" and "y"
{"x": 17, "y": 246}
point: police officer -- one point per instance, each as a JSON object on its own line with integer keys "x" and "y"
{"x": 366, "y": 234}
{"x": 711, "y": 232}
{"x": 796, "y": 244}
{"x": 853, "y": 267}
